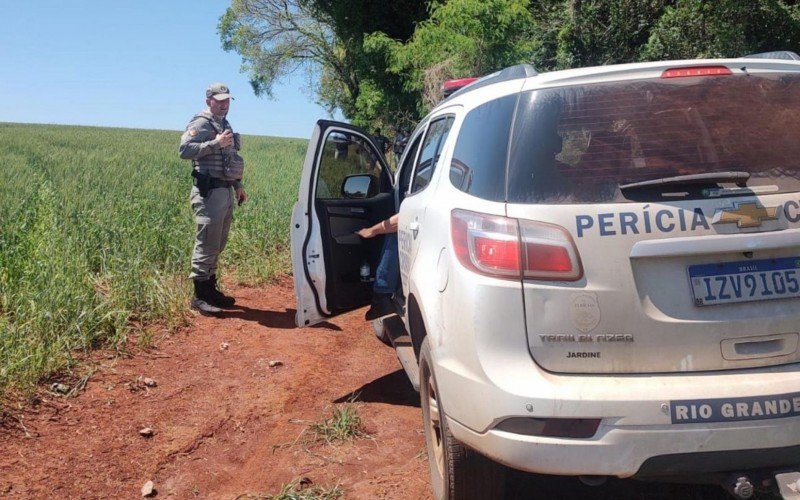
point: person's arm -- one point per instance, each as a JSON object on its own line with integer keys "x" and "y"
{"x": 200, "y": 139}
{"x": 383, "y": 227}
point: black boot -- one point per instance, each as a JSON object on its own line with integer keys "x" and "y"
{"x": 202, "y": 299}
{"x": 219, "y": 299}
{"x": 381, "y": 306}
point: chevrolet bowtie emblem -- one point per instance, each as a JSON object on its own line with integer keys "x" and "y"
{"x": 745, "y": 215}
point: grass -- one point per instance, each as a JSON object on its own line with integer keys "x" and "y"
{"x": 344, "y": 425}
{"x": 299, "y": 489}
{"x": 96, "y": 234}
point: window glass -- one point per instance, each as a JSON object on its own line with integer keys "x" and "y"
{"x": 578, "y": 144}
{"x": 345, "y": 154}
{"x": 408, "y": 166}
{"x": 479, "y": 159}
{"x": 431, "y": 149}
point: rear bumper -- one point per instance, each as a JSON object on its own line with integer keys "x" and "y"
{"x": 643, "y": 453}
{"x": 636, "y": 435}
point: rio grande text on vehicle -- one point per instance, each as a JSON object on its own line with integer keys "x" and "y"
{"x": 733, "y": 409}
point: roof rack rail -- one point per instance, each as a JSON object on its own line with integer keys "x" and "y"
{"x": 778, "y": 54}
{"x": 510, "y": 73}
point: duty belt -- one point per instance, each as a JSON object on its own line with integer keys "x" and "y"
{"x": 214, "y": 183}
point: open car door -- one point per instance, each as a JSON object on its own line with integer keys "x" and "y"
{"x": 345, "y": 186}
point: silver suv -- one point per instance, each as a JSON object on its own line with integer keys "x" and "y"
{"x": 600, "y": 270}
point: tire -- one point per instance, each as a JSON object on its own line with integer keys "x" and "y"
{"x": 457, "y": 472}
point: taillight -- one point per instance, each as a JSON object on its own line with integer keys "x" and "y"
{"x": 549, "y": 253}
{"x": 696, "y": 71}
{"x": 513, "y": 248}
{"x": 487, "y": 244}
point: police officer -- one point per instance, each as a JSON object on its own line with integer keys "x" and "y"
{"x": 399, "y": 144}
{"x": 217, "y": 171}
{"x": 381, "y": 141}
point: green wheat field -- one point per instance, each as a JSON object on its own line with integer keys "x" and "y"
{"x": 96, "y": 234}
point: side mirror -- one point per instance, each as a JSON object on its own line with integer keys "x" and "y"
{"x": 357, "y": 187}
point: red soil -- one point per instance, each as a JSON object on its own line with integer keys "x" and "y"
{"x": 225, "y": 422}
{"x": 227, "y": 425}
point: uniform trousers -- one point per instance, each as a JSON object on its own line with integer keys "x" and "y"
{"x": 213, "y": 215}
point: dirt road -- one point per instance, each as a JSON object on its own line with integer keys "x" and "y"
{"x": 226, "y": 424}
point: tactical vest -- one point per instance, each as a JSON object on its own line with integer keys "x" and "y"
{"x": 225, "y": 163}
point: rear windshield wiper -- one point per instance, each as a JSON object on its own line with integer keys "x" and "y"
{"x": 740, "y": 178}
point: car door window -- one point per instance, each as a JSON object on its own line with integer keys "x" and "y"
{"x": 345, "y": 154}
{"x": 429, "y": 155}
{"x": 408, "y": 166}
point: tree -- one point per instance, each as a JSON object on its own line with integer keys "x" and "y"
{"x": 278, "y": 37}
{"x": 597, "y": 33}
{"x": 323, "y": 38}
{"x": 618, "y": 31}
{"x": 461, "y": 38}
{"x": 725, "y": 28}
{"x": 383, "y": 63}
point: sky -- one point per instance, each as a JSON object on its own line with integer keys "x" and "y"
{"x": 143, "y": 64}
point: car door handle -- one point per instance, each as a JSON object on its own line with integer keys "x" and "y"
{"x": 414, "y": 227}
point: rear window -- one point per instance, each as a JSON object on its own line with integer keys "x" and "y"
{"x": 478, "y": 166}
{"x": 579, "y": 144}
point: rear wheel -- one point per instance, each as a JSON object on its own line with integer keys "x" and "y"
{"x": 457, "y": 472}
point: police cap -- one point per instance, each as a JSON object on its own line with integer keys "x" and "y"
{"x": 218, "y": 91}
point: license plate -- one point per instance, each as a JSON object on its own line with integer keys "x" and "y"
{"x": 745, "y": 281}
